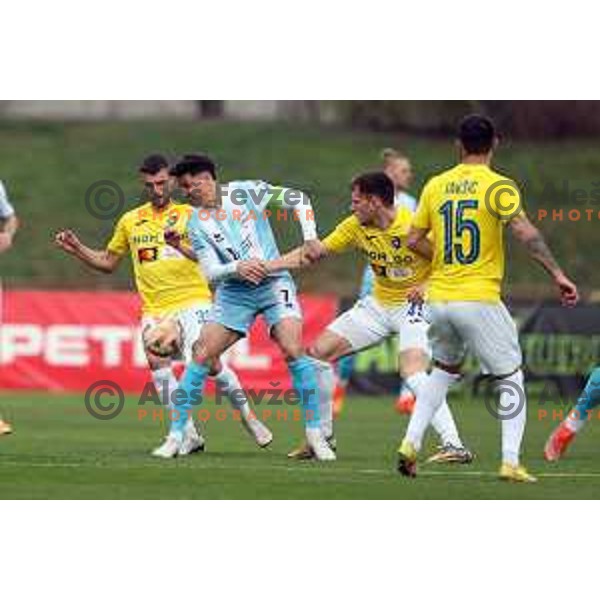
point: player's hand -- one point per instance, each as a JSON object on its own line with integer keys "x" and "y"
{"x": 5, "y": 242}
{"x": 68, "y": 241}
{"x": 569, "y": 294}
{"x": 313, "y": 250}
{"x": 252, "y": 270}
{"x": 173, "y": 238}
{"x": 416, "y": 295}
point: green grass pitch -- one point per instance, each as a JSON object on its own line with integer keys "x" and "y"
{"x": 59, "y": 451}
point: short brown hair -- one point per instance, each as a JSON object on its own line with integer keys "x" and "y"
{"x": 376, "y": 183}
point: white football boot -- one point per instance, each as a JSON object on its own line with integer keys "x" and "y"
{"x": 318, "y": 444}
{"x": 259, "y": 431}
{"x": 192, "y": 440}
{"x": 170, "y": 448}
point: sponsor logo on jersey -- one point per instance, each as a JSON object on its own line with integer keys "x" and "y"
{"x": 147, "y": 254}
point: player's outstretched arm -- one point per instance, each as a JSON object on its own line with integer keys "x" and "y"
{"x": 298, "y": 258}
{"x": 530, "y": 236}
{"x": 100, "y": 260}
{"x": 300, "y": 204}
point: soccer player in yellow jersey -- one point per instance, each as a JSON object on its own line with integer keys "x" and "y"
{"x": 466, "y": 209}
{"x": 380, "y": 229}
{"x": 175, "y": 295}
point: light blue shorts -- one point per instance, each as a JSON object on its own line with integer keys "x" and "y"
{"x": 236, "y": 305}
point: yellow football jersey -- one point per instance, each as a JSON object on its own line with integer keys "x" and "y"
{"x": 466, "y": 209}
{"x": 165, "y": 279}
{"x": 396, "y": 268}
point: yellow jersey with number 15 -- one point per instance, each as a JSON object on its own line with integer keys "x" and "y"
{"x": 396, "y": 268}
{"x": 166, "y": 280}
{"x": 466, "y": 209}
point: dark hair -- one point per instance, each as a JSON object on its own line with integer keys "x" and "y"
{"x": 376, "y": 183}
{"x": 476, "y": 133}
{"x": 153, "y": 163}
{"x": 193, "y": 164}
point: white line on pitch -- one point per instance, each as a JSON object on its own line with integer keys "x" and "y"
{"x": 312, "y": 468}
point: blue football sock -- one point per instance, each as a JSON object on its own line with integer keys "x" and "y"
{"x": 305, "y": 379}
{"x": 192, "y": 383}
{"x": 345, "y": 366}
{"x": 587, "y": 401}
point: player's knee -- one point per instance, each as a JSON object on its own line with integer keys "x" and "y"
{"x": 292, "y": 350}
{"x": 214, "y": 365}
{"x": 317, "y": 352}
{"x": 330, "y": 347}
{"x": 413, "y": 361}
{"x": 203, "y": 354}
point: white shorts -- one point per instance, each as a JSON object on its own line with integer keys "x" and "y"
{"x": 367, "y": 323}
{"x": 190, "y": 322}
{"x": 485, "y": 328}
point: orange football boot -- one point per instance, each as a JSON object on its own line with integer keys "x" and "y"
{"x": 405, "y": 404}
{"x": 558, "y": 442}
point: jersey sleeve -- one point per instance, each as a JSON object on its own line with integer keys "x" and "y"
{"x": 6, "y": 209}
{"x": 211, "y": 266}
{"x": 119, "y": 243}
{"x": 343, "y": 237}
{"x": 422, "y": 218}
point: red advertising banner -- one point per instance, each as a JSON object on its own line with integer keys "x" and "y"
{"x": 64, "y": 341}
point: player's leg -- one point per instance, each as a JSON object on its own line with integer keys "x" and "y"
{"x": 343, "y": 371}
{"x": 447, "y": 355}
{"x": 162, "y": 340}
{"x": 215, "y": 339}
{"x": 191, "y": 321}
{"x": 230, "y": 384}
{"x": 327, "y": 348}
{"x": 565, "y": 433}
{"x": 414, "y": 362}
{"x": 277, "y": 301}
{"x": 360, "y": 327}
{"x": 307, "y": 375}
{"x": 491, "y": 334}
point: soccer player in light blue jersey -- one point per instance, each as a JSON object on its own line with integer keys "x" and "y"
{"x": 232, "y": 238}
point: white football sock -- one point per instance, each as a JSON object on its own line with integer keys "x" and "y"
{"x": 431, "y": 393}
{"x": 231, "y": 385}
{"x": 442, "y": 421}
{"x": 326, "y": 379}
{"x": 165, "y": 384}
{"x": 514, "y": 402}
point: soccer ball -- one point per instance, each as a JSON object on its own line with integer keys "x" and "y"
{"x": 163, "y": 339}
